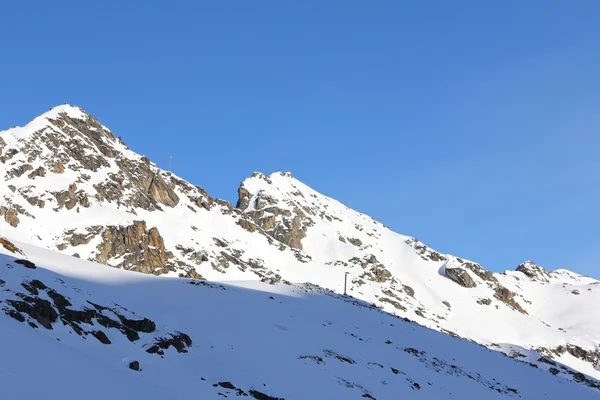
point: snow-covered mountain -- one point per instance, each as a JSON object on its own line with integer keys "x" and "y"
{"x": 72, "y": 186}
{"x": 79, "y": 330}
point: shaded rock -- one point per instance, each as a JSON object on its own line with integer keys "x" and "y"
{"x": 59, "y": 300}
{"x": 25, "y": 263}
{"x": 142, "y": 325}
{"x": 180, "y": 341}
{"x": 162, "y": 193}
{"x": 408, "y": 290}
{"x": 262, "y": 396}
{"x": 39, "y": 309}
{"x": 102, "y": 338}
{"x": 38, "y": 172}
{"x": 243, "y": 198}
{"x": 134, "y": 365}
{"x": 461, "y": 277}
{"x": 17, "y": 172}
{"x": 226, "y": 385}
{"x": 355, "y": 242}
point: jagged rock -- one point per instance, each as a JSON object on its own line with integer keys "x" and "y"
{"x": 425, "y": 252}
{"x": 355, "y": 242}
{"x": 262, "y": 396}
{"x": 101, "y": 336}
{"x": 533, "y": 271}
{"x": 243, "y": 198}
{"x": 39, "y": 309}
{"x": 58, "y": 168}
{"x": 10, "y": 246}
{"x": 76, "y": 239}
{"x": 9, "y": 154}
{"x": 289, "y": 229}
{"x": 461, "y": 277}
{"x": 180, "y": 341}
{"x": 162, "y": 193}
{"x": 40, "y": 171}
{"x": 26, "y": 264}
{"x": 70, "y": 198}
{"x": 247, "y": 225}
{"x": 142, "y": 250}
{"x": 507, "y": 297}
{"x": 11, "y": 217}
{"x": 392, "y": 299}
{"x": 142, "y": 325}
{"x": 192, "y": 274}
{"x": 17, "y": 172}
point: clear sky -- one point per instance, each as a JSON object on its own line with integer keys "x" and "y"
{"x": 472, "y": 125}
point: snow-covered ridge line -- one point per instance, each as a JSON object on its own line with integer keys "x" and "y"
{"x": 72, "y": 186}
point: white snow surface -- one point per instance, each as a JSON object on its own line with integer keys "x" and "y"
{"x": 289, "y": 342}
{"x": 560, "y": 309}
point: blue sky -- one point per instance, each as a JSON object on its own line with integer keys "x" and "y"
{"x": 471, "y": 125}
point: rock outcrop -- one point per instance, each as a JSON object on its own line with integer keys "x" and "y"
{"x": 141, "y": 249}
{"x": 287, "y": 223}
{"x": 533, "y": 271}
{"x": 461, "y": 277}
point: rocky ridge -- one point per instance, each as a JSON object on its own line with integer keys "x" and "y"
{"x": 71, "y": 185}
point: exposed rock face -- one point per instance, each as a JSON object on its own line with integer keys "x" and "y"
{"x": 461, "y": 277}
{"x": 533, "y": 271}
{"x": 425, "y": 252}
{"x": 162, "y": 193}
{"x": 8, "y": 245}
{"x": 508, "y": 298}
{"x": 243, "y": 198}
{"x": 11, "y": 217}
{"x": 70, "y": 198}
{"x": 142, "y": 249}
{"x": 58, "y": 168}
{"x": 287, "y": 222}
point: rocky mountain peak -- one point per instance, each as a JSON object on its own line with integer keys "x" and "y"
{"x": 534, "y": 271}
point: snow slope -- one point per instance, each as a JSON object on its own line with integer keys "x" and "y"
{"x": 74, "y": 187}
{"x": 247, "y": 339}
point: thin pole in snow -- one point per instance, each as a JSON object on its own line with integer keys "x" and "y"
{"x": 345, "y": 279}
{"x": 170, "y": 158}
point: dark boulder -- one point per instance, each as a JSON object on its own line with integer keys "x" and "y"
{"x": 101, "y": 336}
{"x": 26, "y": 263}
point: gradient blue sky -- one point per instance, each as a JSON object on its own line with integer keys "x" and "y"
{"x": 472, "y": 125}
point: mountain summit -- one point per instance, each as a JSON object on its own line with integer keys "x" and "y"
{"x": 72, "y": 186}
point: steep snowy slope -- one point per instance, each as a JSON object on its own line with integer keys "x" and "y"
{"x": 72, "y": 186}
{"x": 73, "y": 329}
{"x": 553, "y": 313}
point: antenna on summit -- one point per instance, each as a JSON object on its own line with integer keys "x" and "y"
{"x": 170, "y": 158}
